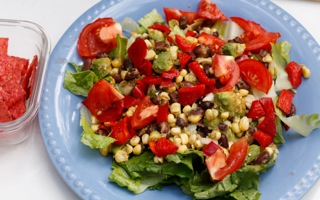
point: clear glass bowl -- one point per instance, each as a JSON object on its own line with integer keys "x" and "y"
{"x": 26, "y": 39}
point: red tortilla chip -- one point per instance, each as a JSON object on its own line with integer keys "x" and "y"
{"x": 33, "y": 66}
{"x": 4, "y": 46}
{"x": 18, "y": 109}
{"x": 5, "y": 115}
{"x": 11, "y": 93}
{"x": 12, "y": 68}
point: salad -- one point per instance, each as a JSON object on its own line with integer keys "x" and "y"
{"x": 197, "y": 99}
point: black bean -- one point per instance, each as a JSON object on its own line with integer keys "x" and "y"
{"x": 86, "y": 64}
{"x": 237, "y": 40}
{"x": 292, "y": 111}
{"x": 262, "y": 158}
{"x": 183, "y": 22}
{"x": 207, "y": 23}
{"x": 132, "y": 74}
{"x": 117, "y": 78}
{"x": 197, "y": 111}
{"x": 222, "y": 126}
{"x": 251, "y": 130}
{"x": 206, "y": 104}
{"x": 215, "y": 34}
{"x": 163, "y": 127}
{"x": 173, "y": 97}
{"x": 181, "y": 122}
{"x": 203, "y": 131}
{"x": 127, "y": 64}
{"x": 223, "y": 141}
{"x": 206, "y": 69}
{"x": 243, "y": 85}
{"x": 202, "y": 51}
{"x": 161, "y": 46}
{"x": 156, "y": 100}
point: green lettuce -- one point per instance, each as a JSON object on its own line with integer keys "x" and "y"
{"x": 151, "y": 18}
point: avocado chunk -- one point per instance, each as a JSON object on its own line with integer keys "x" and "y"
{"x": 164, "y": 62}
{"x": 231, "y": 102}
{"x": 233, "y": 49}
{"x": 102, "y": 67}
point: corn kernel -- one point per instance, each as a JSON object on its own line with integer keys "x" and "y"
{"x": 198, "y": 144}
{"x": 183, "y": 72}
{"x": 182, "y": 149}
{"x": 186, "y": 109}
{"x": 184, "y": 138}
{"x": 225, "y": 115}
{"x": 267, "y": 58}
{"x": 306, "y": 73}
{"x": 154, "y": 135}
{"x": 192, "y": 138}
{"x": 175, "y": 130}
{"x": 95, "y": 127}
{"x": 175, "y": 108}
{"x": 194, "y": 118}
{"x": 235, "y": 128}
{"x": 150, "y": 54}
{"x": 171, "y": 119}
{"x": 157, "y": 159}
{"x": 179, "y": 79}
{"x": 244, "y": 123}
{"x": 137, "y": 149}
{"x": 145, "y": 139}
{"x": 190, "y": 77}
{"x": 164, "y": 96}
{"x": 121, "y": 156}
{"x": 128, "y": 148}
{"x": 215, "y": 135}
{"x": 243, "y": 92}
{"x": 117, "y": 62}
{"x": 135, "y": 140}
{"x": 123, "y": 74}
{"x": 94, "y": 120}
{"x": 209, "y": 115}
{"x": 177, "y": 141}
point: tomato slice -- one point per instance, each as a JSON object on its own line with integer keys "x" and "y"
{"x": 98, "y": 37}
{"x": 145, "y": 113}
{"x": 122, "y": 131}
{"x": 208, "y": 10}
{"x": 251, "y": 28}
{"x": 227, "y": 71}
{"x": 189, "y": 95}
{"x": 212, "y": 41}
{"x": 100, "y": 98}
{"x": 255, "y": 74}
{"x": 219, "y": 170}
{"x": 262, "y": 41}
{"x": 172, "y": 13}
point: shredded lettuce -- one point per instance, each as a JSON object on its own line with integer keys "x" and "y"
{"x": 89, "y": 138}
{"x": 280, "y": 58}
{"x": 151, "y": 18}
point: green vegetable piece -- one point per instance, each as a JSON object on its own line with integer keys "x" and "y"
{"x": 231, "y": 102}
{"x": 156, "y": 35}
{"x": 120, "y": 51}
{"x": 233, "y": 49}
{"x": 164, "y": 62}
{"x": 253, "y": 152}
{"x": 279, "y": 139}
{"x": 213, "y": 123}
{"x": 151, "y": 18}
{"x": 101, "y": 67}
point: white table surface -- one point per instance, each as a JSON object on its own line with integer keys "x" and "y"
{"x": 26, "y": 171}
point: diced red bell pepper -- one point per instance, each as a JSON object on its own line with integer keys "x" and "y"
{"x": 294, "y": 71}
{"x": 129, "y": 101}
{"x": 137, "y": 52}
{"x": 163, "y": 113}
{"x": 163, "y": 147}
{"x": 285, "y": 101}
{"x": 145, "y": 68}
{"x": 183, "y": 44}
{"x": 138, "y": 92}
{"x": 268, "y": 125}
{"x": 183, "y": 59}
{"x": 167, "y": 83}
{"x": 209, "y": 10}
{"x": 262, "y": 138}
{"x": 200, "y": 74}
{"x": 152, "y": 80}
{"x": 210, "y": 149}
{"x": 160, "y": 27}
{"x": 189, "y": 95}
{"x": 191, "y": 33}
{"x": 171, "y": 74}
{"x": 256, "y": 110}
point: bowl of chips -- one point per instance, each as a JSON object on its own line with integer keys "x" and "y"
{"x": 24, "y": 52}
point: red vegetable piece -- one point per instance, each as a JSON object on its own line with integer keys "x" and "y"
{"x": 208, "y": 10}
{"x": 145, "y": 68}
{"x": 129, "y": 101}
{"x": 172, "y": 13}
{"x": 139, "y": 92}
{"x": 171, "y": 74}
{"x": 285, "y": 101}
{"x": 160, "y": 27}
{"x": 137, "y": 52}
{"x": 183, "y": 44}
{"x": 98, "y": 37}
{"x": 255, "y": 74}
{"x": 262, "y": 138}
{"x": 189, "y": 95}
{"x": 100, "y": 98}
{"x": 210, "y": 149}
{"x": 183, "y": 59}
{"x": 212, "y": 41}
{"x": 200, "y": 74}
{"x": 163, "y": 113}
{"x": 268, "y": 125}
{"x": 122, "y": 131}
{"x": 167, "y": 83}
{"x": 152, "y": 80}
{"x": 145, "y": 113}
{"x": 251, "y": 28}
{"x": 294, "y": 71}
{"x": 256, "y": 110}
{"x": 163, "y": 147}
{"x": 262, "y": 41}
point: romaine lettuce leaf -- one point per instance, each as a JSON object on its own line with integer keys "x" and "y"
{"x": 150, "y": 18}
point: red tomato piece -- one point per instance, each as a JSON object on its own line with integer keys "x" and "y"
{"x": 251, "y": 28}
{"x": 183, "y": 44}
{"x": 237, "y": 155}
{"x": 100, "y": 98}
{"x": 145, "y": 68}
{"x": 294, "y": 71}
{"x": 200, "y": 74}
{"x": 172, "y": 13}
{"x": 256, "y": 110}
{"x": 137, "y": 52}
{"x": 163, "y": 113}
{"x": 171, "y": 74}
{"x": 160, "y": 27}
{"x": 122, "y": 131}
{"x": 129, "y": 101}
{"x": 183, "y": 59}
{"x": 262, "y": 138}
{"x": 255, "y": 74}
{"x": 152, "y": 80}
{"x": 189, "y": 95}
{"x": 262, "y": 41}
{"x": 98, "y": 37}
{"x": 163, "y": 147}
{"x": 145, "y": 113}
{"x": 167, "y": 83}
{"x": 268, "y": 125}
{"x": 210, "y": 149}
{"x": 212, "y": 41}
{"x": 215, "y": 162}
{"x": 285, "y": 101}
{"x": 227, "y": 71}
{"x": 208, "y": 10}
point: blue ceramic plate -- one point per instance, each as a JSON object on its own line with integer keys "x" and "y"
{"x": 86, "y": 172}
